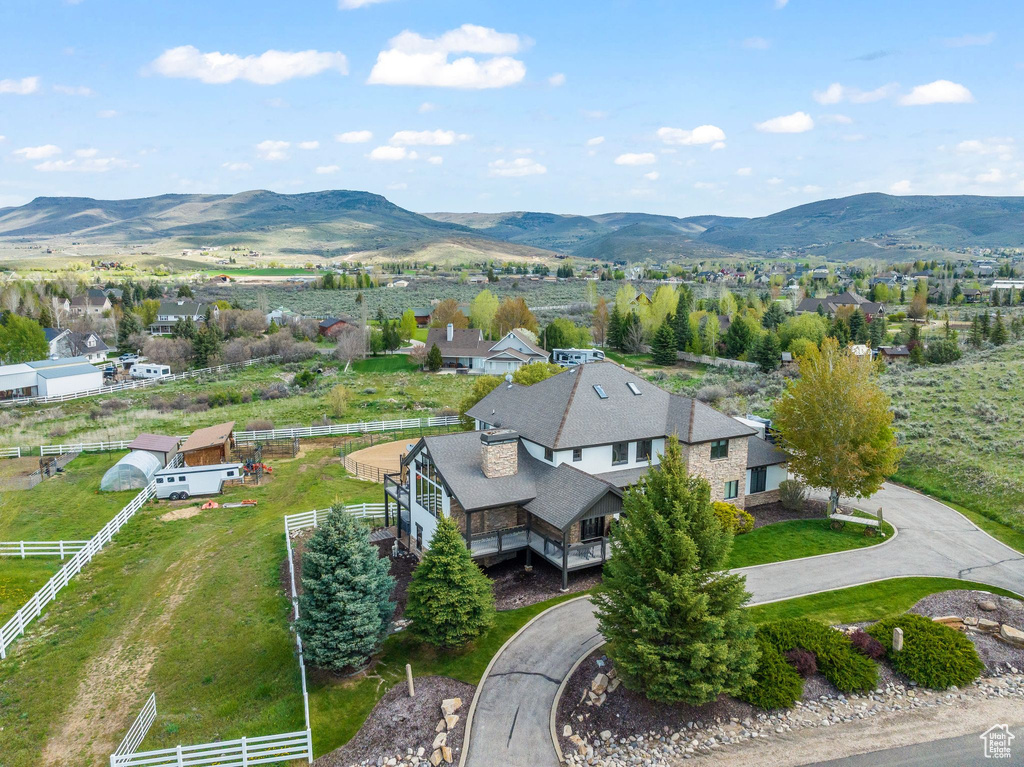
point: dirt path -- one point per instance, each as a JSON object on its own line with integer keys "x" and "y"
{"x": 115, "y": 682}
{"x": 882, "y": 731}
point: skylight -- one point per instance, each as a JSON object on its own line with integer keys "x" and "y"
{"x": 600, "y": 391}
{"x": 633, "y": 387}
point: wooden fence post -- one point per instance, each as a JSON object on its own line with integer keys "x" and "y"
{"x": 408, "y": 677}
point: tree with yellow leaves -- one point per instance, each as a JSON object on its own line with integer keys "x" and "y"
{"x": 836, "y": 425}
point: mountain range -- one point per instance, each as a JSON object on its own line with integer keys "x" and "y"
{"x": 346, "y": 223}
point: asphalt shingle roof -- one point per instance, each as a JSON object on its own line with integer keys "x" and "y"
{"x": 761, "y": 452}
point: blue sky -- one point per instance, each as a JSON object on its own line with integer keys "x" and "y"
{"x": 739, "y": 107}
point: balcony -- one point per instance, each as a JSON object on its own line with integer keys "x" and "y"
{"x": 499, "y": 541}
{"x": 577, "y": 555}
{"x": 398, "y": 491}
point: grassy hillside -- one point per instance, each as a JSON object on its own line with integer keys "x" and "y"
{"x": 961, "y": 427}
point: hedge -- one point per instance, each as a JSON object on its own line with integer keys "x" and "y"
{"x": 733, "y": 518}
{"x": 776, "y": 683}
{"x": 933, "y": 655}
{"x": 837, "y": 660}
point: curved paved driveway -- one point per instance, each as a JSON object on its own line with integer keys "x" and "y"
{"x": 511, "y": 721}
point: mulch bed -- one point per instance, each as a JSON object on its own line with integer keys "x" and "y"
{"x": 770, "y": 513}
{"x": 514, "y": 587}
{"x": 399, "y": 723}
{"x": 995, "y": 654}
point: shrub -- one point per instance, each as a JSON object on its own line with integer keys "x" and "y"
{"x": 734, "y": 519}
{"x": 866, "y": 644}
{"x": 305, "y": 378}
{"x": 803, "y": 661}
{"x": 776, "y": 682}
{"x": 274, "y": 391}
{"x": 846, "y": 669}
{"x": 260, "y": 424}
{"x": 337, "y": 400}
{"x": 792, "y": 494}
{"x": 933, "y": 655}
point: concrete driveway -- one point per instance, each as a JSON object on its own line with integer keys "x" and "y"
{"x": 510, "y": 723}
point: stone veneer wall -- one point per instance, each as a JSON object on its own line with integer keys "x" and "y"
{"x": 500, "y": 460}
{"x": 721, "y": 470}
{"x": 486, "y": 521}
{"x": 760, "y": 499}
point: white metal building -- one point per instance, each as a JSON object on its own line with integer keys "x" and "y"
{"x": 47, "y": 378}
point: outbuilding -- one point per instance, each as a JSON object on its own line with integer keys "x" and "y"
{"x": 133, "y": 471}
{"x": 48, "y": 378}
{"x": 159, "y": 446}
{"x": 209, "y": 446}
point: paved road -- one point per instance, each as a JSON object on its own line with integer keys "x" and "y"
{"x": 966, "y": 751}
{"x": 511, "y": 722}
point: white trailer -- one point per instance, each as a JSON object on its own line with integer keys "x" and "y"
{"x": 185, "y": 481}
{"x": 149, "y": 370}
{"x": 570, "y": 357}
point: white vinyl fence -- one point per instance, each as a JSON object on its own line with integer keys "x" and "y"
{"x": 40, "y": 548}
{"x": 137, "y": 732}
{"x": 140, "y": 383}
{"x": 312, "y": 518}
{"x": 10, "y": 452}
{"x": 362, "y": 427}
{"x": 15, "y": 627}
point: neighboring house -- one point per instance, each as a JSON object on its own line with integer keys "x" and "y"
{"x": 973, "y": 295}
{"x": 115, "y": 294}
{"x": 860, "y": 350}
{"x": 546, "y": 471}
{"x": 48, "y": 378}
{"x": 281, "y": 316}
{"x": 56, "y": 338}
{"x": 894, "y": 353}
{"x": 209, "y": 446}
{"x": 67, "y": 343}
{"x": 333, "y": 326}
{"x": 422, "y": 317}
{"x": 468, "y": 350}
{"x": 399, "y": 284}
{"x": 171, "y": 311}
{"x": 831, "y": 303}
{"x": 92, "y": 303}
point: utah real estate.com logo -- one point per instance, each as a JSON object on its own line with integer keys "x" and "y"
{"x": 997, "y": 741}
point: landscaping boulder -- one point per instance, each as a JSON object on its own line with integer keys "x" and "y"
{"x": 435, "y": 758}
{"x": 1011, "y": 635}
{"x": 953, "y": 621}
{"x": 440, "y": 739}
{"x": 987, "y": 605}
{"x": 989, "y": 627}
{"x": 450, "y": 721}
{"x": 450, "y": 705}
{"x": 599, "y": 684}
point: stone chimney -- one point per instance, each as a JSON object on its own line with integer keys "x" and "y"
{"x": 499, "y": 453}
{"x": 450, "y": 332}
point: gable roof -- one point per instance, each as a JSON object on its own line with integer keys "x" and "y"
{"x": 54, "y": 333}
{"x": 565, "y": 411}
{"x": 761, "y": 452}
{"x": 157, "y": 443}
{"x": 182, "y": 308}
{"x": 466, "y": 342}
{"x": 208, "y": 437}
{"x": 332, "y": 321}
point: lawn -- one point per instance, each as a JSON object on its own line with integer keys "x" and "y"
{"x": 392, "y": 363}
{"x": 193, "y": 609}
{"x": 869, "y": 602}
{"x": 798, "y": 538}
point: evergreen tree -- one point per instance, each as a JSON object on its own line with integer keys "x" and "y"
{"x": 739, "y": 337}
{"x": 681, "y": 326}
{"x": 983, "y": 321}
{"x": 773, "y": 317}
{"x": 877, "y": 331}
{"x": 46, "y": 317}
{"x": 673, "y": 617}
{"x": 184, "y": 327}
{"x": 998, "y": 336}
{"x": 126, "y": 328}
{"x": 632, "y": 334}
{"x": 206, "y": 345}
{"x": 616, "y": 329}
{"x": 840, "y": 331}
{"x": 858, "y": 327}
{"x": 768, "y": 353}
{"x": 434, "y": 359}
{"x": 450, "y": 599}
{"x": 976, "y": 337}
{"x": 956, "y": 292}
{"x": 346, "y": 605}
{"x": 663, "y": 346}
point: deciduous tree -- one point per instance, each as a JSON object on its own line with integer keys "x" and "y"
{"x": 482, "y": 310}
{"x": 22, "y": 340}
{"x": 514, "y": 313}
{"x": 446, "y": 312}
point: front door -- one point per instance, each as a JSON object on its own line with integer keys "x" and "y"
{"x": 591, "y": 528}
{"x": 419, "y": 536}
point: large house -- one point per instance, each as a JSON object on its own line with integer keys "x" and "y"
{"x": 92, "y": 303}
{"x": 332, "y": 327}
{"x": 546, "y": 470}
{"x": 468, "y": 350}
{"x": 830, "y": 304}
{"x": 171, "y": 311}
{"x": 66, "y": 343}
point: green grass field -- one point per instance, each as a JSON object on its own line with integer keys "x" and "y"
{"x": 798, "y": 538}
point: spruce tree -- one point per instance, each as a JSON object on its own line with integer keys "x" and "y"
{"x": 681, "y": 326}
{"x": 616, "y": 329}
{"x": 998, "y": 336}
{"x": 451, "y": 601}
{"x": 672, "y": 615}
{"x": 346, "y": 605}
{"x": 976, "y": 337}
{"x": 774, "y": 316}
{"x": 434, "y": 359}
{"x": 877, "y": 331}
{"x": 663, "y": 346}
{"x": 126, "y": 328}
{"x": 768, "y": 353}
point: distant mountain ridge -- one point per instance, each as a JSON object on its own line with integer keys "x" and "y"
{"x": 341, "y": 222}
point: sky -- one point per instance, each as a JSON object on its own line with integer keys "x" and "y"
{"x": 678, "y": 107}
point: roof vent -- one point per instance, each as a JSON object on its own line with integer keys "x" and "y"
{"x": 633, "y": 387}
{"x": 600, "y": 391}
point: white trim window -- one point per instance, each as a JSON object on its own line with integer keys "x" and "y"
{"x": 427, "y": 485}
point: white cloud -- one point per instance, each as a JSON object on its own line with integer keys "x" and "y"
{"x": 3, "y": 138}
{"x": 900, "y": 187}
{"x": 426, "y": 138}
{"x": 273, "y": 150}
{"x": 774, "y": 181}
{"x": 392, "y": 153}
{"x": 435, "y": 159}
{"x": 938, "y": 92}
{"x": 634, "y": 158}
{"x": 968, "y": 40}
{"x": 798, "y": 122}
{"x": 718, "y": 145}
{"x": 349, "y": 5}
{"x": 398, "y": 186}
{"x": 74, "y": 90}
{"x": 90, "y": 164}
{"x": 780, "y": 4}
{"x": 268, "y": 68}
{"x": 326, "y": 170}
{"x": 595, "y": 141}
{"x": 811, "y": 189}
{"x": 37, "y": 152}
{"x": 309, "y": 145}
{"x": 85, "y": 153}
{"x": 837, "y": 92}
{"x": 1003, "y": 147}
{"x": 652, "y": 176}
{"x": 107, "y": 114}
{"x": 756, "y": 43}
{"x": 835, "y": 119}
{"x": 354, "y": 137}
{"x": 521, "y": 166}
{"x": 425, "y": 107}
{"x": 556, "y": 80}
{"x": 744, "y": 171}
{"x": 22, "y": 87}
{"x": 993, "y": 176}
{"x": 702, "y": 134}
{"x": 706, "y": 185}
{"x": 415, "y": 60}
{"x": 236, "y": 167}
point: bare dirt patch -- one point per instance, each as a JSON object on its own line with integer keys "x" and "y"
{"x": 399, "y": 723}
{"x": 186, "y": 513}
{"x": 115, "y": 682}
{"x": 18, "y": 467}
{"x": 386, "y": 455}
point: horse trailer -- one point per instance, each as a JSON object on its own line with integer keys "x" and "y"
{"x": 185, "y": 481}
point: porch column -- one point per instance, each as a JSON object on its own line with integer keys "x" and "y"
{"x": 529, "y": 549}
{"x": 565, "y": 561}
{"x": 387, "y": 509}
{"x": 469, "y": 531}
